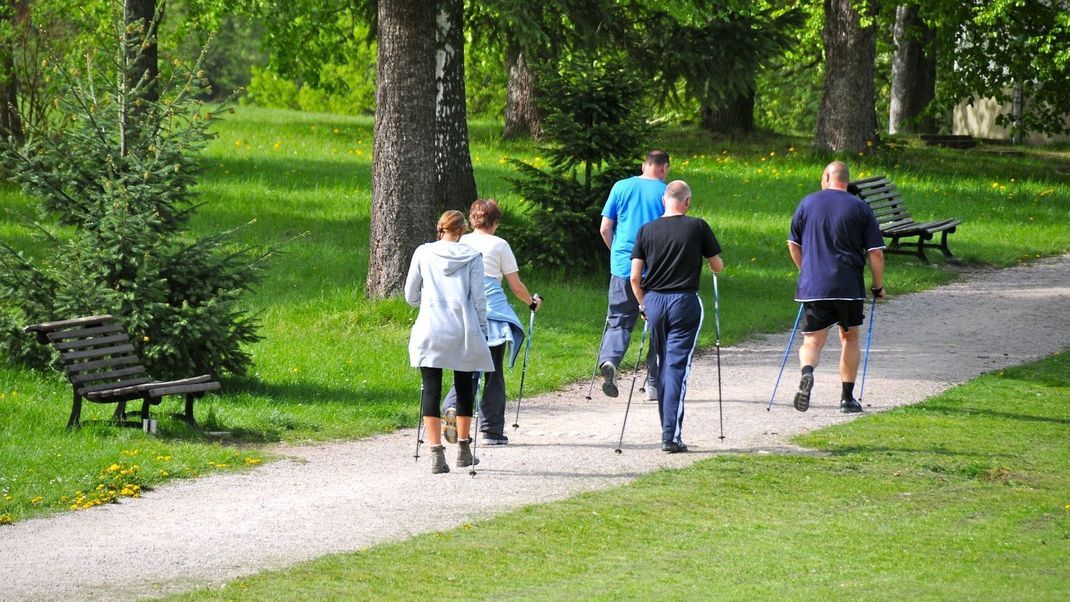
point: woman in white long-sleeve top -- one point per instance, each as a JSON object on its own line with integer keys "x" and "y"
{"x": 446, "y": 282}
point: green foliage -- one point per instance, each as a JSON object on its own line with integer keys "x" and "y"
{"x": 593, "y": 131}
{"x": 988, "y": 49}
{"x": 119, "y": 169}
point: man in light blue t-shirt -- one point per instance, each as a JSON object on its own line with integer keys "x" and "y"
{"x": 631, "y": 204}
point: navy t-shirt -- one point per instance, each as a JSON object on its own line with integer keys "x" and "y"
{"x": 835, "y": 230}
{"x": 674, "y": 248}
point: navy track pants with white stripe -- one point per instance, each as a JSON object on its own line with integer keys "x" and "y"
{"x": 675, "y": 319}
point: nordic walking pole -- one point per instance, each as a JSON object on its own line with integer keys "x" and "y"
{"x": 784, "y": 361}
{"x": 869, "y": 339}
{"x": 594, "y": 373}
{"x": 475, "y": 436}
{"x": 535, "y": 299}
{"x": 635, "y": 373}
{"x": 419, "y": 425}
{"x": 717, "y": 324}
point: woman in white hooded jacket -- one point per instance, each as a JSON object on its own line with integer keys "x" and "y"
{"x": 446, "y": 282}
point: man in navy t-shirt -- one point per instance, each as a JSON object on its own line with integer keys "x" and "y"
{"x": 832, "y": 233}
{"x": 632, "y": 203}
{"x": 671, "y": 251}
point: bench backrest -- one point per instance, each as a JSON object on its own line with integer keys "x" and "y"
{"x": 95, "y": 353}
{"x": 883, "y": 198}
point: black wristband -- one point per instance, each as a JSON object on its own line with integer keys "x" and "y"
{"x": 876, "y": 290}
{"x": 534, "y": 302}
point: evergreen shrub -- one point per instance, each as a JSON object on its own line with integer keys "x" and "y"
{"x": 112, "y": 180}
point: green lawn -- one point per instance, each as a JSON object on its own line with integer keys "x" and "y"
{"x": 965, "y": 496}
{"x": 334, "y": 365}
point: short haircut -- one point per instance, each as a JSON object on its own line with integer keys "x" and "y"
{"x": 484, "y": 213}
{"x": 451, "y": 221}
{"x": 838, "y": 172}
{"x": 657, "y": 157}
{"x": 678, "y": 190}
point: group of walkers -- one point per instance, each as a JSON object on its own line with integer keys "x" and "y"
{"x": 656, "y": 256}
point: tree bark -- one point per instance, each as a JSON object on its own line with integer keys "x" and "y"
{"x": 913, "y": 73}
{"x": 10, "y": 122}
{"x": 522, "y": 115}
{"x": 736, "y": 115}
{"x": 403, "y": 169}
{"x": 847, "y": 119}
{"x": 142, "y": 62}
{"x": 455, "y": 185}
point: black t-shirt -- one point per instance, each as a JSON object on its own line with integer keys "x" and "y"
{"x": 674, "y": 248}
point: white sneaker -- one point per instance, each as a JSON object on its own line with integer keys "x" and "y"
{"x": 651, "y": 392}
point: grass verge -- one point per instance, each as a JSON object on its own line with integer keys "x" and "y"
{"x": 334, "y": 365}
{"x": 963, "y": 496}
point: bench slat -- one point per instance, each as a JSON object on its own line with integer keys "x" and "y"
{"x": 92, "y": 376}
{"x": 870, "y": 181}
{"x": 122, "y": 360}
{"x": 92, "y": 342}
{"x": 123, "y": 384}
{"x": 51, "y": 326}
{"x": 194, "y": 388}
{"x": 84, "y": 332}
{"x": 92, "y": 353}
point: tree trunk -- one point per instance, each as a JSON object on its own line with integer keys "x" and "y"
{"x": 403, "y": 172}
{"x": 522, "y": 116}
{"x": 736, "y": 115}
{"x": 455, "y": 185}
{"x": 10, "y": 122}
{"x": 141, "y": 53}
{"x": 847, "y": 119}
{"x": 913, "y": 73}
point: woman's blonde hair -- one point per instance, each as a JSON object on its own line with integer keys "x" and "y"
{"x": 484, "y": 213}
{"x": 451, "y": 221}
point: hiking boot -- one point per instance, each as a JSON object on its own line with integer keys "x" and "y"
{"x": 651, "y": 392}
{"x": 492, "y": 439}
{"x": 609, "y": 382}
{"x": 802, "y": 398}
{"x": 449, "y": 426}
{"x": 673, "y": 447}
{"x": 464, "y": 454}
{"x": 438, "y": 460}
{"x": 850, "y": 406}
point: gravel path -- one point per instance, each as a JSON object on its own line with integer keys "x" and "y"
{"x": 351, "y": 495}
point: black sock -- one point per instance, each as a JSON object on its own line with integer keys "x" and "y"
{"x": 807, "y": 369}
{"x": 848, "y": 391}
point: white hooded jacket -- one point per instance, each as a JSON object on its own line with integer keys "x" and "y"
{"x": 446, "y": 282}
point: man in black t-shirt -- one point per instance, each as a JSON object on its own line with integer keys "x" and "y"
{"x": 670, "y": 250}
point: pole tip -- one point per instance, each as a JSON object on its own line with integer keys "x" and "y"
{"x": 618, "y": 451}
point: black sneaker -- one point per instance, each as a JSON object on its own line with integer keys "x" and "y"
{"x": 802, "y": 398}
{"x": 492, "y": 439}
{"x": 850, "y": 406}
{"x": 672, "y": 447}
{"x": 609, "y": 382}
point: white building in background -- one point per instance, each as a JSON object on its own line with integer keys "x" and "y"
{"x": 979, "y": 120}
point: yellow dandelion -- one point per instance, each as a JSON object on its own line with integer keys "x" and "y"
{"x": 36, "y": 500}
{"x": 791, "y": 149}
{"x": 277, "y": 145}
{"x": 145, "y": 338}
{"x": 237, "y": 143}
{"x": 252, "y": 461}
{"x": 772, "y": 153}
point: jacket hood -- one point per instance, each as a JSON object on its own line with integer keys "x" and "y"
{"x": 452, "y": 256}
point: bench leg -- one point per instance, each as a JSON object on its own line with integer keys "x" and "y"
{"x": 943, "y": 243}
{"x": 187, "y": 416}
{"x": 120, "y": 412}
{"x": 76, "y": 413}
{"x": 145, "y": 404}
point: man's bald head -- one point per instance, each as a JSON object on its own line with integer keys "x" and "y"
{"x": 836, "y": 175}
{"x": 677, "y": 197}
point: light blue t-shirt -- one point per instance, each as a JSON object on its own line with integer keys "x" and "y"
{"x": 631, "y": 204}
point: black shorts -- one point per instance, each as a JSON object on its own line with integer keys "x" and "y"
{"x": 819, "y": 315}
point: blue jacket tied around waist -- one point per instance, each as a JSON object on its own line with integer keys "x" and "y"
{"x": 503, "y": 325}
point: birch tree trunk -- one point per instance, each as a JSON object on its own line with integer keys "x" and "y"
{"x": 403, "y": 169}
{"x": 847, "y": 119}
{"x": 455, "y": 185}
{"x": 522, "y": 116}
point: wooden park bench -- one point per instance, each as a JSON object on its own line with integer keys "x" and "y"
{"x": 895, "y": 221}
{"x": 102, "y": 366}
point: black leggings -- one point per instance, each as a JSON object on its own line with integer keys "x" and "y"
{"x": 431, "y": 392}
